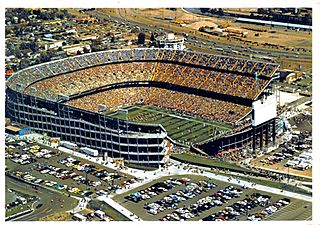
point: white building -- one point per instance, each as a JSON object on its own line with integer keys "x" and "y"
{"x": 171, "y": 41}
{"x": 52, "y": 44}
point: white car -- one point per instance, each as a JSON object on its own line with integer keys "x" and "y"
{"x": 37, "y": 181}
{"x": 96, "y": 183}
{"x": 153, "y": 211}
{"x": 44, "y": 171}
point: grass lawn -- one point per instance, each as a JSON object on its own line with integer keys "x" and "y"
{"x": 18, "y": 209}
{"x": 11, "y": 196}
{"x": 270, "y": 183}
{"x": 194, "y": 159}
{"x": 304, "y": 125}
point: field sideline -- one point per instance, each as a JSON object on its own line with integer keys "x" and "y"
{"x": 183, "y": 129}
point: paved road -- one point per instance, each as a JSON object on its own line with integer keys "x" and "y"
{"x": 45, "y": 196}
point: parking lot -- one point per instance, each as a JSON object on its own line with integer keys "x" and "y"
{"x": 195, "y": 197}
{"x": 294, "y": 157}
{"x": 46, "y": 166}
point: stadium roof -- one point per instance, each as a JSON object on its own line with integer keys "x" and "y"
{"x": 266, "y": 22}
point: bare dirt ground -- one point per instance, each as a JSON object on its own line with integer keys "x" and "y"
{"x": 76, "y": 13}
{"x": 280, "y": 167}
{"x": 64, "y": 216}
{"x": 199, "y": 24}
{"x": 290, "y": 40}
{"x": 281, "y": 36}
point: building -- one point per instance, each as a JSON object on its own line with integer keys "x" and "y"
{"x": 18, "y": 130}
{"x": 136, "y": 143}
{"x": 76, "y": 48}
{"x": 87, "y": 37}
{"x": 171, "y": 41}
{"x": 289, "y": 76}
{"x": 51, "y": 44}
{"x": 236, "y": 32}
{"x": 274, "y": 24}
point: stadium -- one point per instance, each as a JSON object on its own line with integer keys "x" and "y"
{"x": 136, "y": 104}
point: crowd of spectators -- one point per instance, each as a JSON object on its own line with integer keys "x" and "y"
{"x": 199, "y": 78}
{"x": 203, "y": 107}
{"x": 215, "y": 62}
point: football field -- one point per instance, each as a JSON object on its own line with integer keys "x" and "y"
{"x": 183, "y": 129}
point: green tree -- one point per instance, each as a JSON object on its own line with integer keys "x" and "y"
{"x": 141, "y": 38}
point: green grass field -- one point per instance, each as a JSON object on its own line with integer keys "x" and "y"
{"x": 183, "y": 129}
{"x": 10, "y": 196}
{"x": 189, "y": 158}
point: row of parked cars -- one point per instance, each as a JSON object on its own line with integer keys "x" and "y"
{"x": 90, "y": 169}
{"x": 65, "y": 174}
{"x": 217, "y": 199}
{"x": 171, "y": 201}
{"x": 269, "y": 210}
{"x": 27, "y": 177}
{"x": 31, "y": 154}
{"x": 97, "y": 215}
{"x": 299, "y": 144}
{"x": 279, "y": 156}
{"x": 156, "y": 189}
{"x": 239, "y": 208}
{"x": 301, "y": 162}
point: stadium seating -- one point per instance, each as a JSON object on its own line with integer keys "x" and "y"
{"x": 219, "y": 74}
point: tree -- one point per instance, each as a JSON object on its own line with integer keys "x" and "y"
{"x": 24, "y": 62}
{"x": 152, "y": 38}
{"x": 112, "y": 39}
{"x": 141, "y": 38}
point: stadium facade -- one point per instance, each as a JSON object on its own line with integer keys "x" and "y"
{"x": 144, "y": 144}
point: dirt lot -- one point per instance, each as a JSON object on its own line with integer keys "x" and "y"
{"x": 279, "y": 36}
{"x": 280, "y": 167}
{"x": 64, "y": 216}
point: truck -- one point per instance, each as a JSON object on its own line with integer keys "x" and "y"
{"x": 69, "y": 145}
{"x": 100, "y": 214}
{"x": 89, "y": 151}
